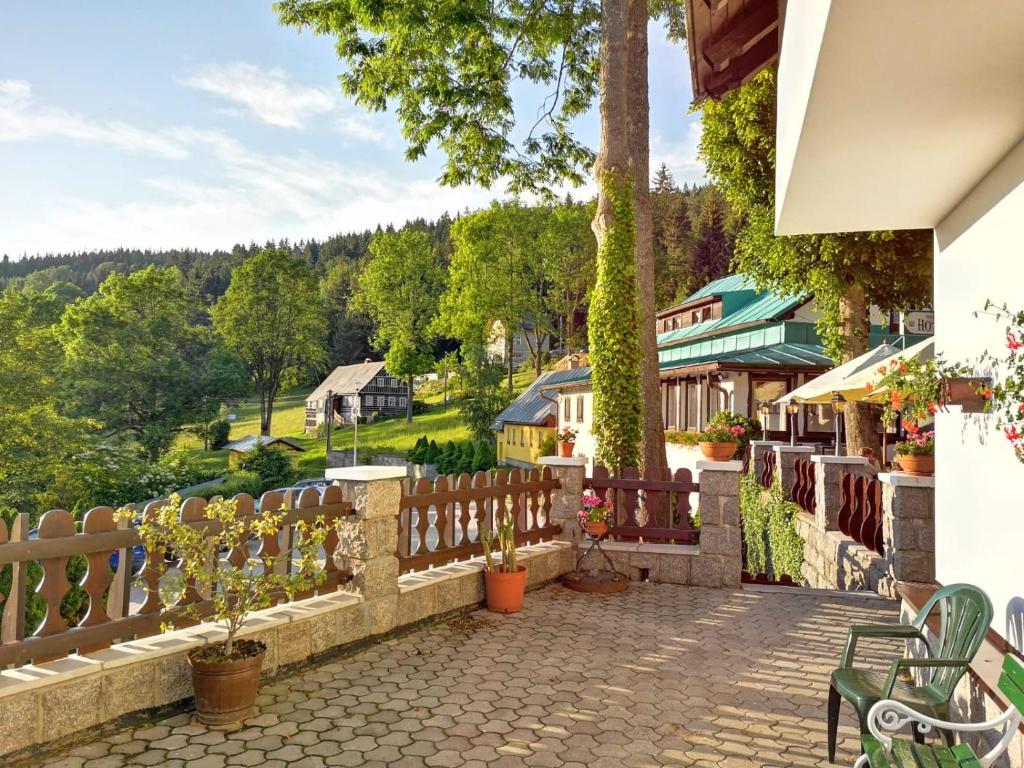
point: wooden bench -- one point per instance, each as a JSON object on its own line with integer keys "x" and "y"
{"x": 882, "y": 750}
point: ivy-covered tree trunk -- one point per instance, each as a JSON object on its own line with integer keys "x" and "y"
{"x": 614, "y": 318}
{"x": 855, "y": 326}
{"x": 653, "y": 458}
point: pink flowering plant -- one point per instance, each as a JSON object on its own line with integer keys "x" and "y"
{"x": 718, "y": 432}
{"x": 918, "y": 444}
{"x": 595, "y": 509}
{"x": 1005, "y": 398}
{"x": 566, "y": 435}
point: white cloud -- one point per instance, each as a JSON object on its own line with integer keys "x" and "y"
{"x": 267, "y": 95}
{"x": 23, "y": 119}
{"x": 680, "y": 155}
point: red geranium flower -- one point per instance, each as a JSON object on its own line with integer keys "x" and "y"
{"x": 932, "y": 408}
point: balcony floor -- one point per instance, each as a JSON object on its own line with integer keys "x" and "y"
{"x": 659, "y": 675}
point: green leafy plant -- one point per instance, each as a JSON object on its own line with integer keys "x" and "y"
{"x": 506, "y": 527}
{"x": 548, "y": 445}
{"x": 722, "y": 433}
{"x": 920, "y": 444}
{"x": 773, "y": 545}
{"x": 1005, "y": 398}
{"x": 273, "y": 466}
{"x": 751, "y": 427}
{"x": 566, "y": 435}
{"x": 912, "y": 389}
{"x": 234, "y": 591}
{"x": 682, "y": 437}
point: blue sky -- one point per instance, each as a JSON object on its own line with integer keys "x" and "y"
{"x": 199, "y": 124}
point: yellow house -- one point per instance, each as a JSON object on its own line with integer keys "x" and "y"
{"x": 522, "y": 427}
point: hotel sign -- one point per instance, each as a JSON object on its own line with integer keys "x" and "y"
{"x": 917, "y": 323}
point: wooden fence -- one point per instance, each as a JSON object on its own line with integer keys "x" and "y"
{"x": 860, "y": 510}
{"x": 803, "y": 490}
{"x": 110, "y": 616}
{"x": 440, "y": 519}
{"x": 652, "y": 509}
{"x": 766, "y": 475}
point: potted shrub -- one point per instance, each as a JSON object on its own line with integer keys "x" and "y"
{"x": 720, "y": 441}
{"x": 566, "y": 442}
{"x": 226, "y": 674}
{"x": 505, "y": 583}
{"x": 596, "y": 514}
{"x": 916, "y": 455}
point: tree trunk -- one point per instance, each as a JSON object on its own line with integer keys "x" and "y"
{"x": 509, "y": 346}
{"x": 408, "y": 399}
{"x": 614, "y": 318}
{"x": 263, "y": 392}
{"x": 855, "y": 324}
{"x": 653, "y": 457}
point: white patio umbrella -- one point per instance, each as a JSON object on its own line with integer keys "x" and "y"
{"x": 857, "y": 382}
{"x": 822, "y": 388}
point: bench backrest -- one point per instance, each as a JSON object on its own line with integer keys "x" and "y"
{"x": 1011, "y": 682}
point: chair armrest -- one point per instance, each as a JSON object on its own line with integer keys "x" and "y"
{"x": 891, "y": 716}
{"x": 887, "y": 631}
{"x": 908, "y": 664}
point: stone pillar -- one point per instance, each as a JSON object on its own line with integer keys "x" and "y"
{"x": 758, "y": 448}
{"x": 369, "y": 541}
{"x": 827, "y": 471}
{"x": 721, "y": 546}
{"x": 908, "y": 525}
{"x": 565, "y": 502}
{"x": 785, "y": 465}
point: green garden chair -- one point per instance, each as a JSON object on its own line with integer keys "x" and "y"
{"x": 881, "y": 750}
{"x": 965, "y": 613}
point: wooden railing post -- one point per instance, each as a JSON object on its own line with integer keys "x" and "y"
{"x": 14, "y": 606}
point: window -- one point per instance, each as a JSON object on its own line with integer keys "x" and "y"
{"x": 705, "y": 314}
{"x": 714, "y": 400}
{"x": 531, "y": 438}
{"x": 769, "y": 390}
{"x": 402, "y": 402}
{"x": 579, "y": 408}
{"x": 692, "y": 401}
{"x": 694, "y": 318}
{"x": 566, "y": 409}
{"x": 671, "y": 410}
{"x": 819, "y": 418}
{"x": 391, "y": 401}
{"x": 369, "y": 400}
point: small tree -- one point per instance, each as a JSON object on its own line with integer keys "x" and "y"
{"x": 236, "y": 590}
{"x": 273, "y": 466}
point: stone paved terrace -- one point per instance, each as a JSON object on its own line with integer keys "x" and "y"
{"x": 660, "y": 675}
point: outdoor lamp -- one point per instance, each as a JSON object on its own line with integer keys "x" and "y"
{"x": 792, "y": 408}
{"x": 838, "y": 406}
{"x": 764, "y": 409}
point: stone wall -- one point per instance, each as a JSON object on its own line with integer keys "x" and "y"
{"x": 43, "y": 704}
{"x": 716, "y": 562}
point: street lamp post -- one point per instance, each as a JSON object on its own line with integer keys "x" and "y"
{"x": 791, "y": 409}
{"x": 838, "y": 406}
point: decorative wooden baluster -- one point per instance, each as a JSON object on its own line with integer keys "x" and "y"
{"x": 308, "y": 499}
{"x": 630, "y": 499}
{"x": 153, "y": 569}
{"x": 871, "y": 531}
{"x": 516, "y": 505}
{"x": 423, "y": 486}
{"x": 245, "y": 506}
{"x": 423, "y": 525}
{"x": 857, "y": 513}
{"x": 98, "y": 576}
{"x": 13, "y": 628}
{"x": 55, "y": 524}
{"x": 272, "y": 545}
{"x": 500, "y": 502}
{"x": 845, "y": 501}
{"x": 683, "y": 506}
{"x": 546, "y": 502}
{"x": 120, "y": 592}
{"x": 471, "y": 511}
{"x": 482, "y": 512}
{"x": 330, "y": 497}
{"x": 192, "y": 511}
{"x": 656, "y": 503}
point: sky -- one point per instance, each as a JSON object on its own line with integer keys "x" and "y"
{"x": 201, "y": 125}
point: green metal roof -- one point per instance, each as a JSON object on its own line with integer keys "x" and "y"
{"x": 741, "y": 304}
{"x": 784, "y": 354}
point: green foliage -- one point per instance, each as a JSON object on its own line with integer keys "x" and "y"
{"x": 893, "y": 269}
{"x": 218, "y": 433}
{"x": 682, "y": 437}
{"x": 486, "y": 397}
{"x": 483, "y": 457}
{"x": 272, "y": 318}
{"x": 1005, "y": 398}
{"x": 506, "y": 527}
{"x": 773, "y": 545}
{"x": 235, "y": 592}
{"x": 235, "y": 483}
{"x": 615, "y": 334}
{"x": 273, "y": 466}
{"x": 432, "y": 454}
{"x": 136, "y": 357}
{"x": 448, "y": 70}
{"x": 751, "y": 427}
{"x": 417, "y": 453}
{"x": 399, "y": 289}
{"x": 446, "y": 461}
{"x": 548, "y": 445}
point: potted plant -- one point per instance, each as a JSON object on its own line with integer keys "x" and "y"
{"x": 720, "y": 440}
{"x": 505, "y": 583}
{"x": 916, "y": 455}
{"x": 226, "y": 674}
{"x": 596, "y": 514}
{"x": 566, "y": 442}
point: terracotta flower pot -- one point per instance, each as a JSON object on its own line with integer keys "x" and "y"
{"x": 718, "y": 451}
{"x": 919, "y": 466}
{"x": 505, "y": 590}
{"x": 225, "y": 691}
{"x": 596, "y": 530}
{"x": 565, "y": 450}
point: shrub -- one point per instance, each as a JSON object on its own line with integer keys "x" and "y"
{"x": 273, "y": 466}
{"x": 218, "y": 434}
{"x": 448, "y": 459}
{"x": 773, "y": 545}
{"x": 465, "y": 462}
{"x": 548, "y": 445}
{"x": 751, "y": 428}
{"x": 432, "y": 454}
{"x": 682, "y": 437}
{"x": 418, "y": 451}
{"x": 755, "y": 524}
{"x": 234, "y": 483}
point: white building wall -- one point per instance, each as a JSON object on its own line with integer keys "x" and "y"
{"x": 979, "y": 517}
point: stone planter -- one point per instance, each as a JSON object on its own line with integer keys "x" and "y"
{"x": 918, "y": 466}
{"x": 718, "y": 451}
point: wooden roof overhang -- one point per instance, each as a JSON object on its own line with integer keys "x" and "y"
{"x": 730, "y": 41}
